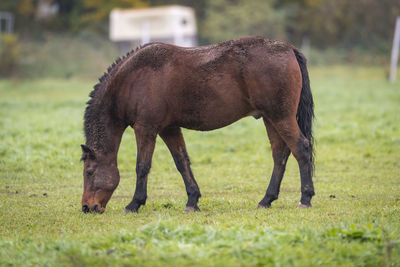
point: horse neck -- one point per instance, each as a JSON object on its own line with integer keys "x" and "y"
{"x": 103, "y": 131}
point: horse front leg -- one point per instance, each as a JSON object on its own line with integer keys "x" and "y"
{"x": 145, "y": 140}
{"x": 173, "y": 138}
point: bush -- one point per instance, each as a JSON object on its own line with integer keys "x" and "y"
{"x": 64, "y": 55}
{"x": 9, "y": 55}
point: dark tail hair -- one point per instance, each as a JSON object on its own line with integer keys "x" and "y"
{"x": 305, "y": 110}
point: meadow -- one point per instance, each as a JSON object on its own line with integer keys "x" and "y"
{"x": 354, "y": 221}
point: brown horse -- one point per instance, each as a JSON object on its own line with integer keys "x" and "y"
{"x": 160, "y": 88}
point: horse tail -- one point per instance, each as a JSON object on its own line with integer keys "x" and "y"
{"x": 305, "y": 110}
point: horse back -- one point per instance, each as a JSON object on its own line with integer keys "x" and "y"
{"x": 209, "y": 87}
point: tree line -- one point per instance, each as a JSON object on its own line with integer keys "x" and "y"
{"x": 366, "y": 24}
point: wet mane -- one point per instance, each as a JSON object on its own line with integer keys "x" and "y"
{"x": 94, "y": 118}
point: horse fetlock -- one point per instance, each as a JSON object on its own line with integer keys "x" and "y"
{"x": 308, "y": 190}
{"x": 266, "y": 201}
{"x": 193, "y": 192}
{"x": 306, "y": 196}
{"x": 192, "y": 201}
{"x": 132, "y": 207}
{"x": 135, "y": 205}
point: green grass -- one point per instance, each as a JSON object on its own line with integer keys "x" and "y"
{"x": 355, "y": 219}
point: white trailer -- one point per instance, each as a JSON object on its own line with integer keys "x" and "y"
{"x": 171, "y": 24}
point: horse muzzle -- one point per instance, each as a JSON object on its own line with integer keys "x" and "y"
{"x": 96, "y": 208}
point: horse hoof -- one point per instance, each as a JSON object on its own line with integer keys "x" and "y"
{"x": 129, "y": 211}
{"x": 126, "y": 211}
{"x": 259, "y": 206}
{"x": 304, "y": 206}
{"x": 191, "y": 209}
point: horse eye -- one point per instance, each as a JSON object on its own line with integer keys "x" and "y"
{"x": 90, "y": 172}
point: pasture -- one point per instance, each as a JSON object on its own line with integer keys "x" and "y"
{"x": 355, "y": 219}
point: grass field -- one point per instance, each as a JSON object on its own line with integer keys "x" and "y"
{"x": 355, "y": 219}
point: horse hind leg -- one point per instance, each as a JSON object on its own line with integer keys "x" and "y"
{"x": 280, "y": 154}
{"x": 173, "y": 138}
{"x": 301, "y": 149}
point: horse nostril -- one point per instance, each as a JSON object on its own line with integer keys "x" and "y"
{"x": 96, "y": 208}
{"x": 85, "y": 208}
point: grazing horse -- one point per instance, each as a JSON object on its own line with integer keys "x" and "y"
{"x": 160, "y": 88}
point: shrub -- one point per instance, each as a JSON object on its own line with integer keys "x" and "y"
{"x": 9, "y": 55}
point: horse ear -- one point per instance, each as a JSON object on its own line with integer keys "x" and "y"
{"x": 86, "y": 149}
{"x": 87, "y": 152}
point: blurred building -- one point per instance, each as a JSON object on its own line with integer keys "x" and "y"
{"x": 46, "y": 10}
{"x": 171, "y": 24}
{"x": 6, "y": 22}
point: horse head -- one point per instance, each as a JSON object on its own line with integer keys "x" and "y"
{"x": 101, "y": 178}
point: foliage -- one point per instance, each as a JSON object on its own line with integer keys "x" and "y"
{"x": 73, "y": 15}
{"x": 327, "y": 23}
{"x": 9, "y": 55}
{"x": 96, "y": 12}
{"x": 23, "y": 11}
{"x": 330, "y": 23}
{"x": 227, "y": 19}
{"x": 87, "y": 55}
{"x": 64, "y": 56}
{"x": 355, "y": 219}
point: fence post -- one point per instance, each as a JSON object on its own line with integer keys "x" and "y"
{"x": 395, "y": 51}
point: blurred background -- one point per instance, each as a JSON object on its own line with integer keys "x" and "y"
{"x": 53, "y": 51}
{"x": 76, "y": 38}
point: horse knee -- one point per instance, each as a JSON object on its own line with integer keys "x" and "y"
{"x": 142, "y": 169}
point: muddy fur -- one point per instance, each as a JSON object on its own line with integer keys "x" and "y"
{"x": 160, "y": 88}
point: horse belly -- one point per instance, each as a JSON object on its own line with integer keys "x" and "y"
{"x": 212, "y": 116}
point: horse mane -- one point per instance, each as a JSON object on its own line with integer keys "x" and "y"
{"x": 110, "y": 70}
{"x": 94, "y": 125}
